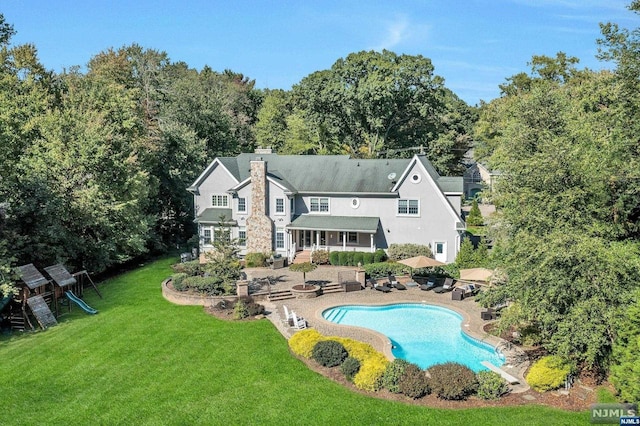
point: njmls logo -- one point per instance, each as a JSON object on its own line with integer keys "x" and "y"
{"x": 614, "y": 414}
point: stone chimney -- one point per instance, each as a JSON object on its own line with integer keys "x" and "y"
{"x": 259, "y": 226}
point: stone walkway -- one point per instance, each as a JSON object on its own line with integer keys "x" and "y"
{"x": 311, "y": 309}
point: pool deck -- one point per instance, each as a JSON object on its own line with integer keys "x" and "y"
{"x": 311, "y": 309}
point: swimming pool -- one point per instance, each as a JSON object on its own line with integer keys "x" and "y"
{"x": 422, "y": 334}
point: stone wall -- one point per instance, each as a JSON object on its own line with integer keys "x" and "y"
{"x": 259, "y": 226}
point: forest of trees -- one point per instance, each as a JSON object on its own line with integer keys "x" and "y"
{"x": 94, "y": 167}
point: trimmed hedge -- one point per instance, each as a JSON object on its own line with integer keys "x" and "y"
{"x": 393, "y": 373}
{"x": 334, "y": 258}
{"x": 413, "y": 382}
{"x": 405, "y": 251}
{"x": 350, "y": 368}
{"x": 491, "y": 385}
{"x": 452, "y": 381}
{"x": 329, "y": 353}
{"x": 548, "y": 373}
{"x": 383, "y": 269}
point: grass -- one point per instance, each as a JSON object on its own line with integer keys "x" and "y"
{"x": 143, "y": 360}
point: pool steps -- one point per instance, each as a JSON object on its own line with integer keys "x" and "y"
{"x": 508, "y": 377}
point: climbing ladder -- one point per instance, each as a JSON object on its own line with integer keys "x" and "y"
{"x": 42, "y": 312}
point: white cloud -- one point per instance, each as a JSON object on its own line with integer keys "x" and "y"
{"x": 396, "y": 32}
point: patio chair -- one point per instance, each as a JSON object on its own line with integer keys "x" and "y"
{"x": 299, "y": 323}
{"x": 459, "y": 293}
{"x": 430, "y": 284}
{"x": 287, "y": 314}
{"x": 394, "y": 283}
{"x": 383, "y": 288}
{"x": 447, "y": 286}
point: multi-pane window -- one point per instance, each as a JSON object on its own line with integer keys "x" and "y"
{"x": 206, "y": 236}
{"x": 219, "y": 201}
{"x": 279, "y": 238}
{"x": 242, "y": 237}
{"x": 319, "y": 205}
{"x": 408, "y": 207}
{"x": 242, "y": 205}
{"x": 352, "y": 237}
{"x": 280, "y": 205}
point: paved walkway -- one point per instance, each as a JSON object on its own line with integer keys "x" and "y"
{"x": 311, "y": 310}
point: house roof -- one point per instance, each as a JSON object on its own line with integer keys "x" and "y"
{"x": 331, "y": 173}
{"x": 212, "y": 215}
{"x": 336, "y": 223}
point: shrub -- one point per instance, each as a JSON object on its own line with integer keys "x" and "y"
{"x": 372, "y": 363}
{"x": 379, "y": 256}
{"x": 491, "y": 385}
{"x": 255, "y": 260}
{"x": 452, "y": 380}
{"x": 474, "y": 218}
{"x": 371, "y": 371}
{"x": 392, "y": 374}
{"x": 413, "y": 382}
{"x": 177, "y": 280}
{"x": 358, "y": 257}
{"x": 254, "y": 309}
{"x": 625, "y": 374}
{"x": 405, "y": 251}
{"x": 240, "y": 310}
{"x": 384, "y": 268}
{"x": 334, "y": 258}
{"x": 303, "y": 342}
{"x": 367, "y": 258}
{"x": 210, "y": 285}
{"x": 350, "y": 368}
{"x": 343, "y": 258}
{"x": 320, "y": 257}
{"x": 190, "y": 268}
{"x": 547, "y": 373}
{"x": 329, "y": 353}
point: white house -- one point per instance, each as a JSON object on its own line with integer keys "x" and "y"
{"x": 290, "y": 203}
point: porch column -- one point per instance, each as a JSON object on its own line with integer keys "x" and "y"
{"x": 317, "y": 238}
{"x": 344, "y": 241}
{"x": 373, "y": 247}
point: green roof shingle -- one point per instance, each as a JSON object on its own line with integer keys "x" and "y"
{"x": 336, "y": 223}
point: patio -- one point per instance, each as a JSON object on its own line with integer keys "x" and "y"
{"x": 311, "y": 310}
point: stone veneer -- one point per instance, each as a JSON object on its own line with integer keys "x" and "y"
{"x": 259, "y": 226}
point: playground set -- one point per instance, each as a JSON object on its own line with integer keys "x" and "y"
{"x": 44, "y": 299}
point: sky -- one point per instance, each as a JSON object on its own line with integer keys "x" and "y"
{"x": 473, "y": 44}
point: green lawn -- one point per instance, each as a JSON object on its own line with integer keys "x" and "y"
{"x": 142, "y": 360}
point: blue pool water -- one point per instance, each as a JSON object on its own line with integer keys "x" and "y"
{"x": 422, "y": 334}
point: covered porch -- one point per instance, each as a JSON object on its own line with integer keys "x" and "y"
{"x": 333, "y": 233}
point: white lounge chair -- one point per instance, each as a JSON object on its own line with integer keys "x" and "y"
{"x": 299, "y": 323}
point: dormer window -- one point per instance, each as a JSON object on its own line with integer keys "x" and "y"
{"x": 219, "y": 200}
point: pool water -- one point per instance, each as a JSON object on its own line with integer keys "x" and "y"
{"x": 421, "y": 334}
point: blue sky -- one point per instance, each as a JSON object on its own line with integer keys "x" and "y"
{"x": 473, "y": 44}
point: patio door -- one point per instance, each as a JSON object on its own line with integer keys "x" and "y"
{"x": 440, "y": 251}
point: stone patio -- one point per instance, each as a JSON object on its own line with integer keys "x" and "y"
{"x": 311, "y": 309}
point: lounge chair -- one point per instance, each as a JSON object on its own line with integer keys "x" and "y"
{"x": 447, "y": 286}
{"x": 299, "y": 323}
{"x": 429, "y": 285}
{"x": 393, "y": 283}
{"x": 382, "y": 287}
